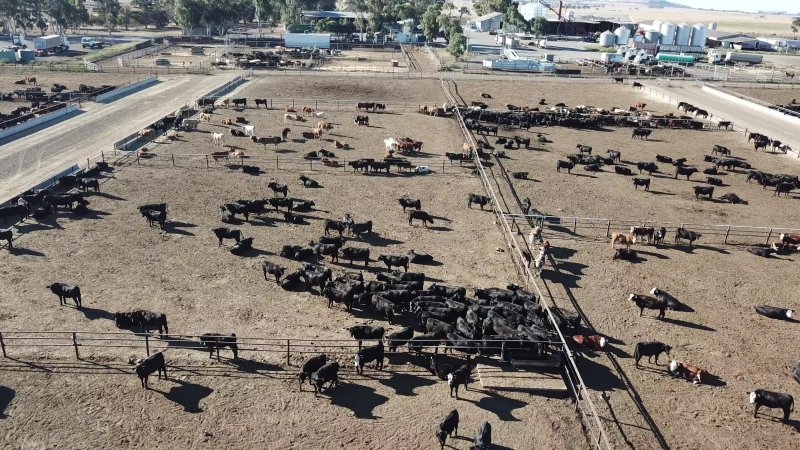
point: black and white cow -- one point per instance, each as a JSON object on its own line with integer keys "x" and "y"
{"x": 647, "y": 302}
{"x": 770, "y": 399}
{"x": 481, "y": 200}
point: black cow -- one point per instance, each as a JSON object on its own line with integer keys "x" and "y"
{"x": 361, "y": 120}
{"x": 86, "y": 183}
{"x": 733, "y": 198}
{"x": 239, "y": 102}
{"x": 13, "y": 211}
{"x": 703, "y": 190}
{"x": 261, "y": 101}
{"x": 419, "y": 215}
{"x": 773, "y": 312}
{"x": 642, "y": 133}
{"x": 338, "y": 225}
{"x": 564, "y": 165}
{"x": 360, "y": 228}
{"x": 355, "y": 254}
{"x": 406, "y": 202}
{"x": 154, "y": 216}
{"x": 227, "y": 233}
{"x": 690, "y": 236}
{"x": 329, "y": 373}
{"x": 242, "y": 247}
{"x": 278, "y": 188}
{"x": 481, "y": 200}
{"x": 664, "y": 159}
{"x": 309, "y": 367}
{"x": 396, "y": 261}
{"x": 458, "y": 377}
{"x": 7, "y": 235}
{"x": 714, "y": 181}
{"x": 65, "y": 291}
{"x": 273, "y": 269}
{"x": 148, "y": 366}
{"x": 688, "y": 171}
{"x": 216, "y": 341}
{"x": 622, "y": 170}
{"x": 398, "y": 338}
{"x": 784, "y": 188}
{"x": 650, "y": 349}
{"x": 143, "y": 319}
{"x": 648, "y": 167}
{"x": 364, "y": 332}
{"x": 367, "y": 355}
{"x": 308, "y": 182}
{"x": 641, "y": 182}
{"x": 448, "y": 427}
{"x": 483, "y": 437}
{"x": 770, "y": 399}
{"x": 647, "y": 302}
{"x": 764, "y": 252}
{"x": 325, "y": 250}
{"x": 658, "y": 238}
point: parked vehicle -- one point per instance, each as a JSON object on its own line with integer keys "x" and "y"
{"x": 90, "y": 42}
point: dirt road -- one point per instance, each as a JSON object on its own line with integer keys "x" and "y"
{"x": 30, "y": 159}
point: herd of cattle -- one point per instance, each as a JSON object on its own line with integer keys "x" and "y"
{"x": 41, "y": 102}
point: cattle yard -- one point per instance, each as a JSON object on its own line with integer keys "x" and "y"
{"x": 122, "y": 264}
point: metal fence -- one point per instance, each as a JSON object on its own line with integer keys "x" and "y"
{"x": 602, "y": 228}
{"x": 583, "y": 400}
{"x": 92, "y": 344}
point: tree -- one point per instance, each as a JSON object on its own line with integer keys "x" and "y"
{"x": 487, "y": 6}
{"x": 67, "y": 13}
{"x": 430, "y": 22}
{"x": 108, "y": 11}
{"x": 450, "y": 26}
{"x": 189, "y": 14}
{"x": 463, "y": 10}
{"x": 513, "y": 17}
{"x": 795, "y": 26}
{"x": 457, "y": 45}
{"x": 537, "y": 25}
{"x": 146, "y": 7}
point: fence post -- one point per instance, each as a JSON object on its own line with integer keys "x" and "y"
{"x": 102, "y": 156}
{"x": 3, "y": 345}
{"x": 503, "y": 351}
{"x": 75, "y": 344}
{"x": 575, "y": 226}
{"x": 207, "y": 165}
{"x": 608, "y": 229}
{"x": 277, "y": 165}
{"x": 173, "y": 159}
{"x": 727, "y": 232}
{"x": 288, "y": 350}
{"x": 769, "y": 235}
{"x": 311, "y": 163}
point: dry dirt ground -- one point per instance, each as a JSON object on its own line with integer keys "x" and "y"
{"x": 776, "y": 96}
{"x": 122, "y": 264}
{"x": 609, "y": 195}
{"x": 357, "y": 60}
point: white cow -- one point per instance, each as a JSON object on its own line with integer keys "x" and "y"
{"x": 249, "y": 130}
{"x": 218, "y": 138}
{"x": 318, "y": 115}
{"x": 391, "y": 144}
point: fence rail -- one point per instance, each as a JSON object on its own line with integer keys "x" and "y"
{"x": 83, "y": 344}
{"x": 583, "y": 401}
{"x": 599, "y": 227}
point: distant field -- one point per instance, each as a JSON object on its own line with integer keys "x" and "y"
{"x": 726, "y": 21}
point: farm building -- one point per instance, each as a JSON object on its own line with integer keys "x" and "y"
{"x": 778, "y": 43}
{"x": 491, "y": 21}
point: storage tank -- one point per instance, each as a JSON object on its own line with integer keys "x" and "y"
{"x": 699, "y": 33}
{"x": 656, "y": 26}
{"x": 623, "y": 34}
{"x": 26, "y": 56}
{"x": 683, "y": 34}
{"x": 607, "y": 39}
{"x": 667, "y": 33}
{"x": 652, "y": 36}
{"x": 638, "y": 37}
{"x": 8, "y": 56}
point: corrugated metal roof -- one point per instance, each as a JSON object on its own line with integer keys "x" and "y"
{"x": 336, "y": 15}
{"x": 486, "y": 17}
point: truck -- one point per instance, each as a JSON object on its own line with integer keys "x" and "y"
{"x": 18, "y": 40}
{"x": 671, "y": 57}
{"x": 90, "y": 42}
{"x": 49, "y": 45}
{"x": 611, "y": 57}
{"x": 750, "y": 58}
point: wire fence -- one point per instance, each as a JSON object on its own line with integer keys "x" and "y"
{"x": 113, "y": 344}
{"x": 600, "y": 228}
{"x": 583, "y": 400}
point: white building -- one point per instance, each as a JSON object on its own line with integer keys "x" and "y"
{"x": 780, "y": 44}
{"x": 532, "y": 10}
{"x": 491, "y": 21}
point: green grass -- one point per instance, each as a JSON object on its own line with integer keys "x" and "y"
{"x": 597, "y": 48}
{"x": 110, "y": 52}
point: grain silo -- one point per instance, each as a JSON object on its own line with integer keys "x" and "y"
{"x": 607, "y": 39}
{"x": 652, "y": 36}
{"x": 667, "y": 33}
{"x": 712, "y": 26}
{"x": 656, "y": 26}
{"x": 699, "y": 33}
{"x": 683, "y": 35}
{"x": 622, "y": 33}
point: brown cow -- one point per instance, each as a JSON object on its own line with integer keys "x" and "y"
{"x": 689, "y": 372}
{"x": 594, "y": 341}
{"x": 622, "y": 238}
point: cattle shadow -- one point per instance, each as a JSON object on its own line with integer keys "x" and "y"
{"x": 361, "y": 400}
{"x": 432, "y": 263}
{"x": 6, "y": 396}
{"x": 582, "y": 175}
{"x": 92, "y": 214}
{"x": 94, "y": 313}
{"x": 686, "y": 323}
{"x": 440, "y": 228}
{"x": 574, "y": 268}
{"x": 285, "y": 150}
{"x": 653, "y": 254}
{"x": 405, "y": 383}
{"x": 376, "y": 240}
{"x": 503, "y": 407}
{"x": 599, "y": 377}
{"x": 619, "y": 352}
{"x": 660, "y": 192}
{"x": 176, "y": 227}
{"x": 794, "y": 423}
{"x": 107, "y": 195}
{"x": 21, "y": 251}
{"x": 188, "y": 395}
{"x": 255, "y": 253}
